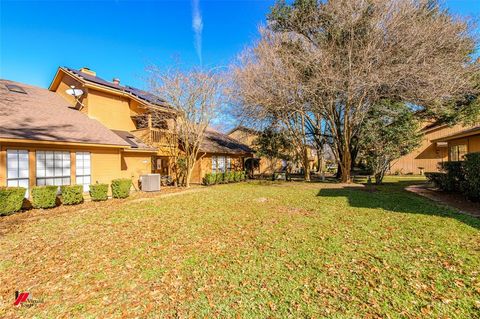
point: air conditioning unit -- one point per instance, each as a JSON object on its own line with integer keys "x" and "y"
{"x": 150, "y": 182}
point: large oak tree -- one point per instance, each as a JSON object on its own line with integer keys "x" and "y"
{"x": 337, "y": 59}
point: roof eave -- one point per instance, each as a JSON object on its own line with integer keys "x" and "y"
{"x": 68, "y": 143}
{"x": 466, "y": 133}
{"x": 140, "y": 150}
{"x": 54, "y": 84}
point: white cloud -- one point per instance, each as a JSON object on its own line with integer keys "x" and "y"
{"x": 197, "y": 25}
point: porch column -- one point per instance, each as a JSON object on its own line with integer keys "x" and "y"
{"x": 149, "y": 120}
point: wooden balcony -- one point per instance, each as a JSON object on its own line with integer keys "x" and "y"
{"x": 156, "y": 137}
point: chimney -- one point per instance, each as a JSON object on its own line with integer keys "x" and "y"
{"x": 116, "y": 81}
{"x": 88, "y": 71}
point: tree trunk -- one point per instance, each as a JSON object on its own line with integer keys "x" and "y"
{"x": 339, "y": 171}
{"x": 306, "y": 165}
{"x": 320, "y": 163}
{"x": 190, "y": 164}
{"x": 346, "y": 165}
{"x": 378, "y": 178}
{"x": 381, "y": 170}
{"x": 273, "y": 165}
{"x": 188, "y": 175}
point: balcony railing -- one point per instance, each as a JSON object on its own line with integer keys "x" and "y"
{"x": 156, "y": 137}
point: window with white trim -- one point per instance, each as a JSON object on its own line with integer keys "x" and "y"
{"x": 229, "y": 163}
{"x": 18, "y": 169}
{"x": 82, "y": 168}
{"x": 53, "y": 168}
{"x": 221, "y": 164}
{"x": 214, "y": 164}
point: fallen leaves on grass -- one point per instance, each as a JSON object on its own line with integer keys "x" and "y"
{"x": 347, "y": 254}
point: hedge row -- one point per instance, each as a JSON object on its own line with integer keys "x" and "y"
{"x": 223, "y": 178}
{"x": 463, "y": 177}
{"x": 11, "y": 198}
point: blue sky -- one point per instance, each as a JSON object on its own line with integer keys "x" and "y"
{"x": 120, "y": 38}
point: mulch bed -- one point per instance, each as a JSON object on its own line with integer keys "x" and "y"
{"x": 453, "y": 200}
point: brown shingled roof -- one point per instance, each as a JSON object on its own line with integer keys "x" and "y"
{"x": 216, "y": 142}
{"x": 45, "y": 116}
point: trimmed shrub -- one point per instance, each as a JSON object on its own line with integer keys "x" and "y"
{"x": 99, "y": 192}
{"x": 455, "y": 176}
{"x": 11, "y": 199}
{"x": 230, "y": 176}
{"x": 219, "y": 178}
{"x": 209, "y": 179}
{"x": 243, "y": 175}
{"x": 438, "y": 179}
{"x": 121, "y": 187}
{"x": 461, "y": 177}
{"x": 44, "y": 196}
{"x": 471, "y": 168}
{"x": 237, "y": 176}
{"x": 225, "y": 178}
{"x": 72, "y": 194}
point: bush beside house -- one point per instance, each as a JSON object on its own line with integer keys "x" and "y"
{"x": 121, "y": 187}
{"x": 209, "y": 179}
{"x": 99, "y": 192}
{"x": 460, "y": 176}
{"x": 72, "y": 194}
{"x": 223, "y": 178}
{"x": 438, "y": 179}
{"x": 471, "y": 169}
{"x": 44, "y": 196}
{"x": 11, "y": 199}
{"x": 218, "y": 178}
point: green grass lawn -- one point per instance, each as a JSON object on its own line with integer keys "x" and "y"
{"x": 249, "y": 250}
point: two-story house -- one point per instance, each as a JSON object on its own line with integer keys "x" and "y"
{"x": 51, "y": 137}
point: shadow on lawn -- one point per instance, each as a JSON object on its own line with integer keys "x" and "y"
{"x": 394, "y": 198}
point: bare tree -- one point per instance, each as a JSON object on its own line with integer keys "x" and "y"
{"x": 194, "y": 95}
{"x": 269, "y": 88}
{"x": 338, "y": 58}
